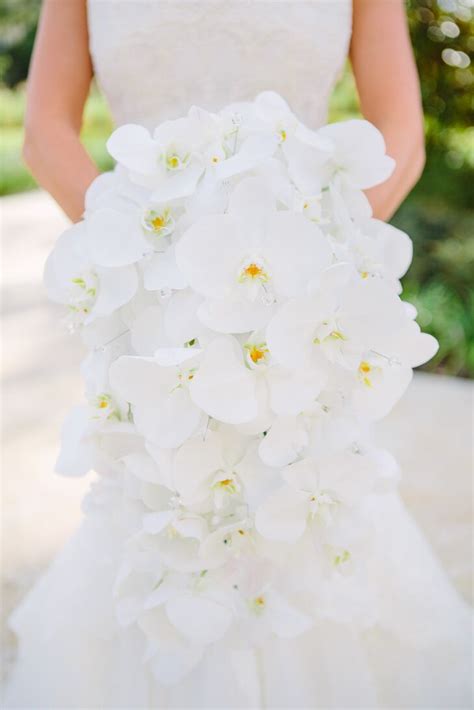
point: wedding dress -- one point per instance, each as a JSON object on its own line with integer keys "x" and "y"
{"x": 153, "y": 59}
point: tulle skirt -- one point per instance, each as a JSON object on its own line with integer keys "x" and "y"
{"x": 73, "y": 653}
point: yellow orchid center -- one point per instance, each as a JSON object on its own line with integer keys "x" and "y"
{"x": 283, "y": 135}
{"x": 364, "y": 274}
{"x": 105, "y": 404}
{"x": 173, "y": 162}
{"x": 366, "y": 373}
{"x": 257, "y": 604}
{"x": 341, "y": 558}
{"x": 103, "y": 401}
{"x": 158, "y": 223}
{"x": 257, "y": 352}
{"x": 175, "y": 157}
{"x": 253, "y": 272}
{"x": 365, "y": 370}
{"x": 226, "y": 484}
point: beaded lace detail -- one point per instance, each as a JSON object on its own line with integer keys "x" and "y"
{"x": 155, "y": 58}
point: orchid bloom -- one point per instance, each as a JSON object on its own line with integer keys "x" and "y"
{"x": 89, "y": 290}
{"x": 336, "y": 322}
{"x": 311, "y": 492}
{"x": 248, "y": 260}
{"x": 376, "y": 249}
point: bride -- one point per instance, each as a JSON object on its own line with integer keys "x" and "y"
{"x": 153, "y": 59}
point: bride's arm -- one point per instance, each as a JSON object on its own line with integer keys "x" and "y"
{"x": 389, "y": 92}
{"x": 58, "y": 86}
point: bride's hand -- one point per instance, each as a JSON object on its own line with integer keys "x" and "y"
{"x": 58, "y": 86}
{"x": 389, "y": 92}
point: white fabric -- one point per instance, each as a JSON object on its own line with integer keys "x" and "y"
{"x": 155, "y": 58}
{"x": 73, "y": 653}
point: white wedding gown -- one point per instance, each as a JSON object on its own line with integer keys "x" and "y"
{"x": 153, "y": 59}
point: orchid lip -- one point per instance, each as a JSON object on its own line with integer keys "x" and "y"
{"x": 257, "y": 354}
{"x": 158, "y": 223}
{"x": 253, "y": 271}
{"x": 174, "y": 161}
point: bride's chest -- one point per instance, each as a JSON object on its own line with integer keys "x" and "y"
{"x": 177, "y": 47}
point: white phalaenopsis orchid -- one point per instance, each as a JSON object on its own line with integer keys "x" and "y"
{"x": 250, "y": 259}
{"x": 88, "y": 289}
{"x": 222, "y": 386}
{"x": 306, "y": 152}
{"x": 262, "y": 607}
{"x": 219, "y": 473}
{"x": 170, "y": 391}
{"x": 171, "y": 161}
{"x": 325, "y": 426}
{"x": 127, "y": 226}
{"x": 313, "y": 491}
{"x": 336, "y": 322}
{"x": 385, "y": 371}
{"x": 358, "y": 158}
{"x": 376, "y": 249}
{"x": 278, "y": 390}
{"x": 171, "y": 323}
{"x": 205, "y": 474}
{"x": 177, "y": 534}
{"x": 90, "y": 440}
{"x": 162, "y": 408}
{"x": 243, "y": 316}
{"x": 199, "y": 606}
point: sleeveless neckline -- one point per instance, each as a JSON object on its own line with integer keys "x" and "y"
{"x": 155, "y": 58}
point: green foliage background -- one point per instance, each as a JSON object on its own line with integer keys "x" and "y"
{"x": 438, "y": 214}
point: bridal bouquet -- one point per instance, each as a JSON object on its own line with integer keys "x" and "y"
{"x": 242, "y": 312}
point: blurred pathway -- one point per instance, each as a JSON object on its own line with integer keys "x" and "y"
{"x": 429, "y": 430}
{"x": 40, "y": 381}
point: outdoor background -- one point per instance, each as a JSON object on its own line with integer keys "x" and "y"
{"x": 437, "y": 214}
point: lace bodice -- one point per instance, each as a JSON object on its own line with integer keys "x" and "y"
{"x": 155, "y": 58}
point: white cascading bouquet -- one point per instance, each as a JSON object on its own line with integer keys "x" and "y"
{"x": 242, "y": 312}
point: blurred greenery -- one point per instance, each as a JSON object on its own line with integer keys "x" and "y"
{"x": 18, "y": 19}
{"x": 438, "y": 214}
{"x": 14, "y": 176}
